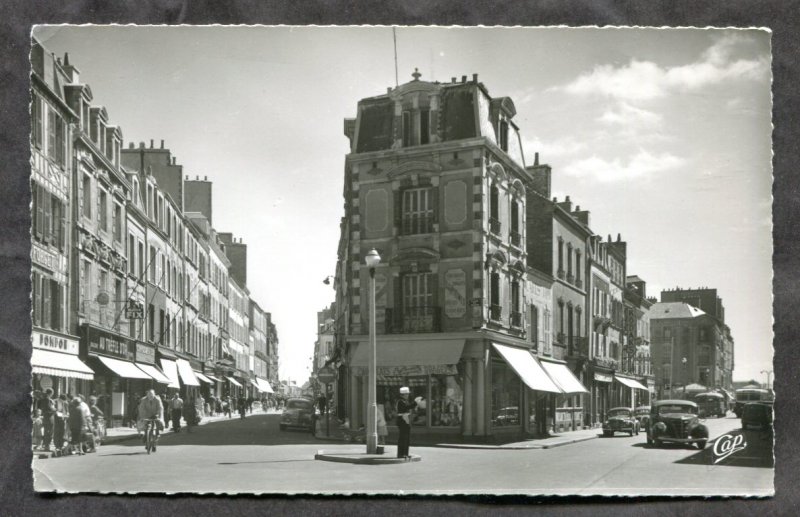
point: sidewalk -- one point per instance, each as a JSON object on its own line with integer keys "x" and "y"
{"x": 556, "y": 440}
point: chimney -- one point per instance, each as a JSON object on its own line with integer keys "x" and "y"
{"x": 66, "y": 59}
{"x": 475, "y": 78}
{"x": 536, "y": 159}
{"x": 174, "y": 160}
{"x": 130, "y": 145}
{"x": 141, "y": 145}
{"x": 453, "y": 80}
{"x": 205, "y": 178}
{"x": 463, "y": 78}
{"x": 197, "y": 178}
{"x": 619, "y": 237}
{"x": 151, "y": 143}
{"x": 162, "y": 143}
{"x": 187, "y": 177}
{"x": 388, "y": 89}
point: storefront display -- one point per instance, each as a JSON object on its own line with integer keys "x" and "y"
{"x": 506, "y": 395}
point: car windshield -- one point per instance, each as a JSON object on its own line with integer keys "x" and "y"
{"x": 619, "y": 412}
{"x": 675, "y": 408}
{"x": 298, "y": 404}
{"x": 642, "y": 411}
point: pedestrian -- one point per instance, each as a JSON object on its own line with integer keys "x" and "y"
{"x": 250, "y": 405}
{"x": 78, "y": 425}
{"x": 199, "y": 408}
{"x": 241, "y": 406}
{"x": 98, "y": 419}
{"x": 176, "y": 409}
{"x": 38, "y": 429}
{"x": 60, "y": 428}
{"x": 405, "y": 408}
{"x": 150, "y": 407}
{"x": 48, "y": 408}
{"x": 190, "y": 415}
{"x": 383, "y": 432}
{"x": 228, "y": 406}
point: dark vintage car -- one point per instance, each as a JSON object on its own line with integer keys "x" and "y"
{"x": 711, "y": 404}
{"x": 620, "y": 420}
{"x": 507, "y": 416}
{"x": 757, "y": 415}
{"x": 297, "y": 412}
{"x": 676, "y": 421}
{"x": 642, "y": 414}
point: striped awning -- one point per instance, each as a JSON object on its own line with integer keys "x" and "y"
{"x": 154, "y": 372}
{"x": 45, "y": 362}
{"x": 234, "y": 381}
{"x": 202, "y": 377}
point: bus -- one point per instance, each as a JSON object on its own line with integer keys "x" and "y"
{"x": 745, "y": 395}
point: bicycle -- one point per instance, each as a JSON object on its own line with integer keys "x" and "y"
{"x": 151, "y": 434}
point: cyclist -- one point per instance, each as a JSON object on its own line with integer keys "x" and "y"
{"x": 151, "y": 409}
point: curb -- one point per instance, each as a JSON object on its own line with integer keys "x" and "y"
{"x": 514, "y": 447}
{"x": 364, "y": 459}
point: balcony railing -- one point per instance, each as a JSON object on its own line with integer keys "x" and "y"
{"x": 410, "y": 320}
{"x": 414, "y": 224}
{"x": 516, "y": 319}
{"x": 515, "y": 238}
{"x": 494, "y": 226}
{"x": 495, "y": 312}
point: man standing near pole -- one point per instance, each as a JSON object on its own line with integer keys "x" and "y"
{"x": 404, "y": 408}
{"x": 176, "y": 409}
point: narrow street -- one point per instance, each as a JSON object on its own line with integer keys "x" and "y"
{"x": 254, "y": 456}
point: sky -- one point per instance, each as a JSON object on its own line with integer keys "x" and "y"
{"x": 663, "y": 134}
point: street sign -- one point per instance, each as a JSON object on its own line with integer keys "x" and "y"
{"x": 326, "y": 375}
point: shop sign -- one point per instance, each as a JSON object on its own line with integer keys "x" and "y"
{"x": 455, "y": 299}
{"x": 145, "y": 353}
{"x": 45, "y": 382}
{"x": 106, "y": 343}
{"x": 55, "y": 342}
{"x": 47, "y": 259}
{"x": 601, "y": 377}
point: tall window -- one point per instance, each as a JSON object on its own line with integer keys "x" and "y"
{"x": 578, "y": 267}
{"x": 117, "y": 223}
{"x": 60, "y": 143}
{"x": 417, "y": 211}
{"x": 424, "y": 126}
{"x": 516, "y": 315}
{"x": 515, "y": 235}
{"x": 569, "y": 259}
{"x": 494, "y": 209}
{"x": 560, "y": 255}
{"x": 535, "y": 326}
{"x": 407, "y": 129}
{"x": 86, "y": 196}
{"x": 504, "y": 135}
{"x": 36, "y": 121}
{"x": 102, "y": 207}
{"x": 152, "y": 265}
{"x": 141, "y": 259}
{"x": 131, "y": 254}
{"x": 52, "y": 127}
{"x": 119, "y": 302}
{"x": 494, "y": 296}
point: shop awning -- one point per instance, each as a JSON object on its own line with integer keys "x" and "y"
{"x": 202, "y": 377}
{"x": 563, "y": 378}
{"x": 209, "y": 376}
{"x": 171, "y": 371}
{"x": 410, "y": 353}
{"x": 123, "y": 368}
{"x": 528, "y": 368}
{"x": 187, "y": 374}
{"x": 631, "y": 383}
{"x": 264, "y": 385}
{"x": 234, "y": 382}
{"x": 154, "y": 372}
{"x": 45, "y": 362}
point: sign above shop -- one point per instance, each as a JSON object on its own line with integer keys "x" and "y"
{"x": 56, "y": 342}
{"x": 601, "y": 377}
{"x": 134, "y": 310}
{"x": 105, "y": 343}
{"x": 145, "y": 353}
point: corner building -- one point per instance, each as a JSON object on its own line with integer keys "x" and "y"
{"x": 436, "y": 183}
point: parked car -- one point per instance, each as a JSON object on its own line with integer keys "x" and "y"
{"x": 297, "y": 412}
{"x": 710, "y": 404}
{"x": 507, "y": 416}
{"x": 676, "y": 421}
{"x": 757, "y": 415}
{"x": 620, "y": 420}
{"x": 642, "y": 414}
{"x": 751, "y": 394}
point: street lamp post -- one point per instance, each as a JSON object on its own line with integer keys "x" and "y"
{"x": 769, "y": 375}
{"x": 684, "y": 361}
{"x": 372, "y": 260}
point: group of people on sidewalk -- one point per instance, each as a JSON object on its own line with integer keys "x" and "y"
{"x": 66, "y": 423}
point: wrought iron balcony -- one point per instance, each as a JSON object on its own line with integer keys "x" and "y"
{"x": 515, "y": 238}
{"x": 413, "y": 224}
{"x": 410, "y": 320}
{"x": 494, "y": 226}
{"x": 516, "y": 319}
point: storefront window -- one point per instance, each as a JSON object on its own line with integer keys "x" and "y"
{"x": 388, "y": 391}
{"x": 447, "y": 399}
{"x": 506, "y": 389}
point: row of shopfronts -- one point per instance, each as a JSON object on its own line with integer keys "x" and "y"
{"x": 482, "y": 388}
{"x": 120, "y": 370}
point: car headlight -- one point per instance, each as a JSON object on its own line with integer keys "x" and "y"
{"x": 660, "y": 427}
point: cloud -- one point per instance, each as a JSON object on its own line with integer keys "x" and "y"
{"x": 642, "y": 164}
{"x": 645, "y": 80}
{"x": 627, "y": 115}
{"x": 548, "y": 149}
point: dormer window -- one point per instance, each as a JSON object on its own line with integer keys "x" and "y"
{"x": 416, "y": 127}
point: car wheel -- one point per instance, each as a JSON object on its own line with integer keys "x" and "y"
{"x": 701, "y": 444}
{"x": 607, "y": 434}
{"x": 649, "y": 441}
{"x": 657, "y": 443}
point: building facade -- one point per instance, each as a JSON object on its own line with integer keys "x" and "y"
{"x": 435, "y": 182}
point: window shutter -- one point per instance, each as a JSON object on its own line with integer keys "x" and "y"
{"x": 47, "y": 209}
{"x": 56, "y": 307}
{"x": 40, "y": 212}
{"x": 398, "y": 210}
{"x": 46, "y": 304}
{"x": 51, "y": 134}
{"x": 56, "y": 221}
{"x": 37, "y": 299}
